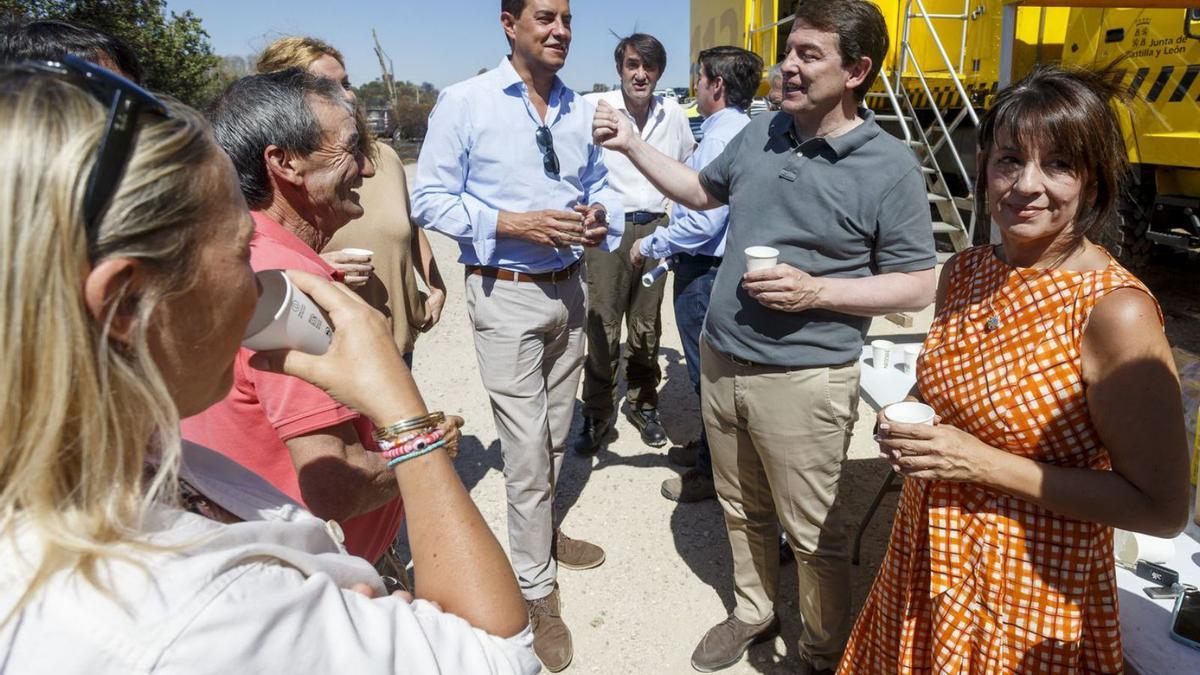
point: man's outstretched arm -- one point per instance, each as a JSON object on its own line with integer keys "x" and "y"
{"x": 613, "y": 131}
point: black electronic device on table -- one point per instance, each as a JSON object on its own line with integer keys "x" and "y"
{"x": 1185, "y": 620}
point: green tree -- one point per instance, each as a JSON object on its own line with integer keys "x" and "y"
{"x": 372, "y": 94}
{"x": 174, "y": 50}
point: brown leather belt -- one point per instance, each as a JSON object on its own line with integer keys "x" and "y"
{"x": 509, "y": 275}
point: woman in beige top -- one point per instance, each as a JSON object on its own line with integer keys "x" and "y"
{"x": 385, "y": 278}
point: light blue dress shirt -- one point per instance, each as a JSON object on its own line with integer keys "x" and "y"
{"x": 480, "y": 157}
{"x": 699, "y": 232}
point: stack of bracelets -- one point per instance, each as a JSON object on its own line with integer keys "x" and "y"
{"x": 411, "y": 438}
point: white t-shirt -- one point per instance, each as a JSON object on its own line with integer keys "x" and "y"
{"x": 266, "y": 596}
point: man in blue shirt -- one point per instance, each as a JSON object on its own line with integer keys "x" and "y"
{"x": 509, "y": 171}
{"x": 728, "y": 78}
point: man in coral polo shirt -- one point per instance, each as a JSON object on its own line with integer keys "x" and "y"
{"x": 294, "y": 142}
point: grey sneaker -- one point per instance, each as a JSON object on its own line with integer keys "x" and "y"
{"x": 576, "y": 554}
{"x": 551, "y": 639}
{"x": 692, "y": 486}
{"x": 725, "y": 643}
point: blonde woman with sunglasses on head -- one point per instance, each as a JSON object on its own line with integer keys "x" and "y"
{"x": 126, "y": 292}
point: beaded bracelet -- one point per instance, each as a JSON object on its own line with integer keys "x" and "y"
{"x": 392, "y": 463}
{"x": 413, "y": 423}
{"x": 386, "y": 444}
{"x": 393, "y": 450}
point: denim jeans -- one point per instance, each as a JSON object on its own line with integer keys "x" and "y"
{"x": 694, "y": 277}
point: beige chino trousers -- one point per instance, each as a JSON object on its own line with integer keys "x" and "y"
{"x": 529, "y": 342}
{"x": 779, "y": 438}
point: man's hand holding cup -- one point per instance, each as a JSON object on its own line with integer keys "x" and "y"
{"x": 548, "y": 227}
{"x": 779, "y": 286}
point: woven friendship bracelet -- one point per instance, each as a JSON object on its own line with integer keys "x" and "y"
{"x": 416, "y": 453}
{"x": 393, "y": 450}
{"x": 411, "y": 424}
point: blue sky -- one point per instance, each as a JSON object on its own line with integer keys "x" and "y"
{"x": 442, "y": 41}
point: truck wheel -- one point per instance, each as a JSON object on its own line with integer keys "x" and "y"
{"x": 1128, "y": 243}
{"x": 1126, "y": 238}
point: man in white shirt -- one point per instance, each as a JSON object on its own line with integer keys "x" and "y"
{"x": 615, "y": 292}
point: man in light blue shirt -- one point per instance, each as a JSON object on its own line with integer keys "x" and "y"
{"x": 509, "y": 171}
{"x": 729, "y": 77}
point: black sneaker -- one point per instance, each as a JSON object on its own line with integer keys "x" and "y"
{"x": 684, "y": 455}
{"x": 647, "y": 423}
{"x": 591, "y": 437}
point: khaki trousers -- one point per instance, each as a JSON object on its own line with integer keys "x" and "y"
{"x": 529, "y": 342}
{"x": 779, "y": 438}
{"x": 616, "y": 296}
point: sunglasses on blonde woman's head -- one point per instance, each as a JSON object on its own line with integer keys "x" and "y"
{"x": 126, "y": 102}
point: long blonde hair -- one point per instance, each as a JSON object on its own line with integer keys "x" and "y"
{"x": 79, "y": 413}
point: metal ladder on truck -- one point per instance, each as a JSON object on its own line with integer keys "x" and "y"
{"x": 933, "y": 143}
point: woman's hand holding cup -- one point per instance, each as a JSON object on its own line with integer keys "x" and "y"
{"x": 914, "y": 442}
{"x": 362, "y": 369}
{"x": 354, "y": 264}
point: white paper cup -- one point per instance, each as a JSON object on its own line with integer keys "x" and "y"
{"x": 761, "y": 258}
{"x": 286, "y": 318}
{"x": 360, "y": 252}
{"x": 881, "y": 353}
{"x": 1131, "y": 547}
{"x": 911, "y": 352}
{"x": 909, "y": 412}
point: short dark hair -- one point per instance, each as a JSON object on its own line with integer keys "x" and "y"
{"x": 50, "y": 39}
{"x": 514, "y": 7}
{"x": 646, "y": 46}
{"x": 859, "y": 26}
{"x": 269, "y": 109}
{"x": 1067, "y": 110}
{"x": 739, "y": 69}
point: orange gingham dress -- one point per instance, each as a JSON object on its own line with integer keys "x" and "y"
{"x": 977, "y": 581}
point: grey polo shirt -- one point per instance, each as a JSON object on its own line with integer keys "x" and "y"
{"x": 846, "y": 207}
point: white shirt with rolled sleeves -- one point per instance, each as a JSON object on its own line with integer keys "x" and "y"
{"x": 666, "y": 130}
{"x": 481, "y": 157}
{"x": 258, "y": 597}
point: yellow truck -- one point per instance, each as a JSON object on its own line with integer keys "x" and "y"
{"x": 948, "y": 57}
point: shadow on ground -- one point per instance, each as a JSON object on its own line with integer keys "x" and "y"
{"x": 703, "y": 545}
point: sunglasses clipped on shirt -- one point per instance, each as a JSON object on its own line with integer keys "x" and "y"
{"x": 545, "y": 142}
{"x": 125, "y": 102}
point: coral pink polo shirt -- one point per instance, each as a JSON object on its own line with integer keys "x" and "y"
{"x": 263, "y": 410}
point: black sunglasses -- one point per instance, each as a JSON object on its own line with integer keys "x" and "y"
{"x": 126, "y": 102}
{"x": 545, "y": 143}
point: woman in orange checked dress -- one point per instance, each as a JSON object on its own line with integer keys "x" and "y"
{"x": 1059, "y": 410}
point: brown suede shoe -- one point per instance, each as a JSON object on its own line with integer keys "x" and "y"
{"x": 725, "y": 643}
{"x": 693, "y": 486}
{"x": 551, "y": 639}
{"x": 576, "y": 554}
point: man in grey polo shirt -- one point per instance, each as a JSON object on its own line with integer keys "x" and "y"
{"x": 845, "y": 204}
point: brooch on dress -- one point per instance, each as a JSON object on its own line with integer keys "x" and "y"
{"x": 992, "y": 323}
